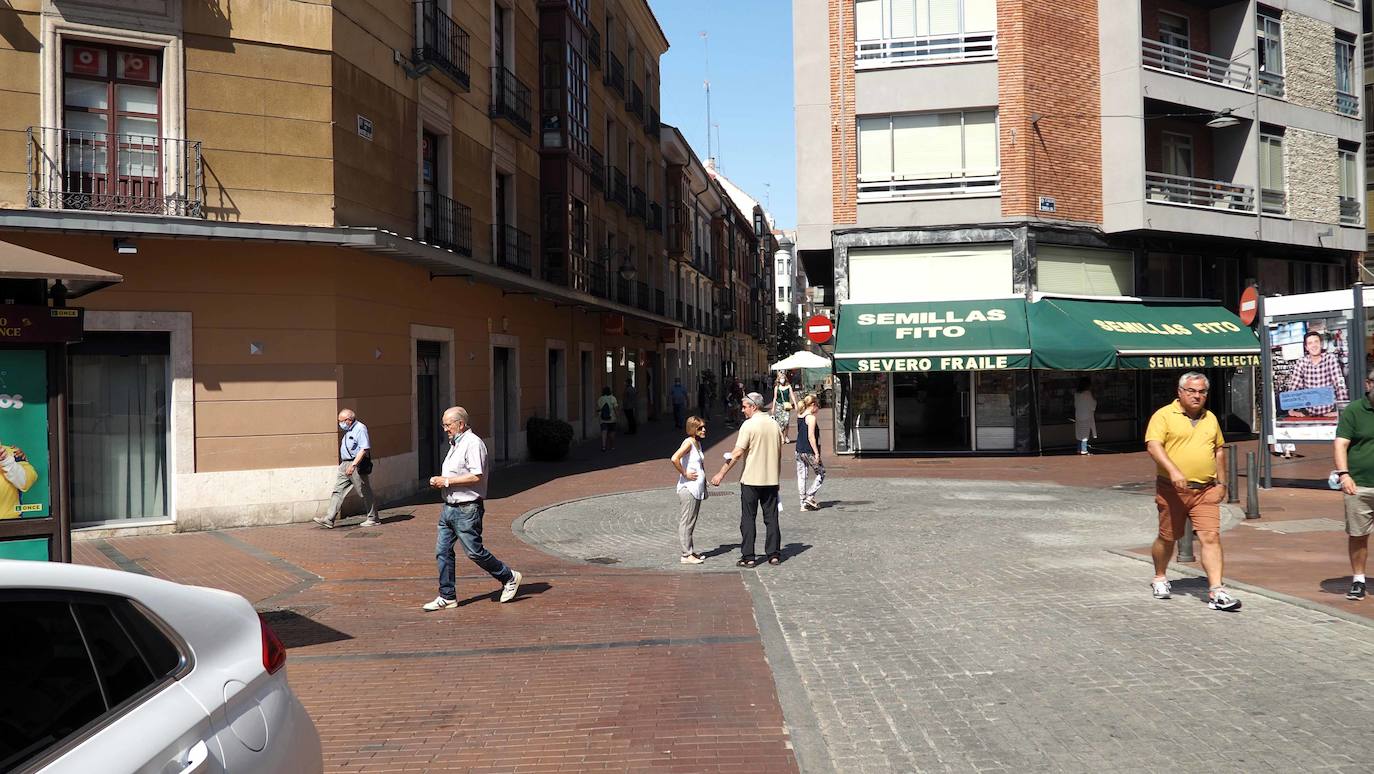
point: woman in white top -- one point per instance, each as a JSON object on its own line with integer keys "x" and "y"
{"x": 690, "y": 462}
{"x": 1084, "y": 413}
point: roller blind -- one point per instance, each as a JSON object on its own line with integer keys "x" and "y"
{"x": 904, "y": 18}
{"x": 936, "y": 273}
{"x": 868, "y": 19}
{"x": 1271, "y": 163}
{"x": 875, "y": 148}
{"x": 1083, "y": 271}
{"x": 980, "y": 15}
{"x": 927, "y": 145}
{"x": 980, "y": 143}
{"x": 944, "y": 17}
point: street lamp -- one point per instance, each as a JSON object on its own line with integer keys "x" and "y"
{"x": 627, "y": 269}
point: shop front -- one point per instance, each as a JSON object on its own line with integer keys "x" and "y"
{"x": 998, "y": 375}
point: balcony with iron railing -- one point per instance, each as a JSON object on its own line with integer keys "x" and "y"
{"x": 1350, "y": 211}
{"x": 1199, "y": 65}
{"x": 660, "y": 302}
{"x": 510, "y": 98}
{"x": 655, "y": 218}
{"x": 652, "y": 124}
{"x": 691, "y": 319}
{"x": 638, "y": 203}
{"x": 589, "y": 275}
{"x": 1199, "y": 192}
{"x": 677, "y": 227}
{"x": 442, "y": 43}
{"x": 69, "y": 169}
{"x": 598, "y": 174}
{"x": 925, "y": 49}
{"x": 965, "y": 182}
{"x": 634, "y": 102}
{"x": 681, "y": 315}
{"x": 1347, "y": 104}
{"x": 614, "y": 74}
{"x": 445, "y": 223}
{"x": 624, "y": 292}
{"x": 594, "y": 47}
{"x": 643, "y": 298}
{"x": 511, "y": 247}
{"x": 619, "y": 189}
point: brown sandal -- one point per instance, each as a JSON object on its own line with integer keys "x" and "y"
{"x": 748, "y": 561}
{"x": 775, "y": 559}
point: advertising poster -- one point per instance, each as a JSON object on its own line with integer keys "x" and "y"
{"x": 24, "y": 469}
{"x": 1310, "y": 361}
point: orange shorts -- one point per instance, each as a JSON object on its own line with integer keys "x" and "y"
{"x": 1203, "y": 506}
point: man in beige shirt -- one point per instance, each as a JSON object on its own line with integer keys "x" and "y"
{"x": 759, "y": 447}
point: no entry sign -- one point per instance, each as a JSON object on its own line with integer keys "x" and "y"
{"x": 820, "y": 329}
{"x": 1249, "y": 305}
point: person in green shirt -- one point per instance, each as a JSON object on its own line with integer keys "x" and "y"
{"x": 1354, "y": 456}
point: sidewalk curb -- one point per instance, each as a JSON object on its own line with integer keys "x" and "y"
{"x": 803, "y": 727}
{"x": 1279, "y": 596}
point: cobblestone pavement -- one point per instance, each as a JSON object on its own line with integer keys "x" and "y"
{"x": 924, "y": 625}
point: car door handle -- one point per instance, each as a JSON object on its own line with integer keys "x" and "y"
{"x": 196, "y": 758}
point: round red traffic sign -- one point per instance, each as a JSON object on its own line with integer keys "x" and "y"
{"x": 1249, "y": 305}
{"x": 819, "y": 329}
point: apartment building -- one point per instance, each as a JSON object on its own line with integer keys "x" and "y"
{"x": 965, "y": 150}
{"x": 388, "y": 206}
{"x": 789, "y": 279}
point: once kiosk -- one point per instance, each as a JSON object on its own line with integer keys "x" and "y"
{"x": 36, "y": 325}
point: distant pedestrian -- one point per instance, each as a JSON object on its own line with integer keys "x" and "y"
{"x": 690, "y": 462}
{"x": 463, "y": 481}
{"x": 1284, "y": 449}
{"x": 606, "y": 408}
{"x": 1084, "y": 414}
{"x": 704, "y": 398}
{"x": 733, "y": 398}
{"x": 809, "y": 454}
{"x": 759, "y": 448}
{"x": 782, "y": 404}
{"x": 1186, "y": 444}
{"x": 1354, "y": 456}
{"x": 631, "y": 408}
{"x": 354, "y": 471}
{"x": 678, "y": 397}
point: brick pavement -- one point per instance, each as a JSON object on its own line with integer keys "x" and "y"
{"x": 391, "y": 693}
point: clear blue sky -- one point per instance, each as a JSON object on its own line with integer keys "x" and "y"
{"x": 751, "y": 91}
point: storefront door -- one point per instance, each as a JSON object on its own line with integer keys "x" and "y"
{"x": 930, "y": 411}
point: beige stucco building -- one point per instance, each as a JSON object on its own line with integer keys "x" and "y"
{"x": 382, "y": 205}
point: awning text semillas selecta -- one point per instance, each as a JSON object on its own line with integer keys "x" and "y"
{"x": 933, "y": 336}
{"x": 1069, "y": 334}
{"x": 1062, "y": 334}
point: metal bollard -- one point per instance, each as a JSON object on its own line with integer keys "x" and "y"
{"x": 1232, "y": 475}
{"x": 1185, "y": 543}
{"x": 1252, "y": 509}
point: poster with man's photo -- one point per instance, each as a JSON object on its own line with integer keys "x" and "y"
{"x": 24, "y": 470}
{"x": 1311, "y": 377}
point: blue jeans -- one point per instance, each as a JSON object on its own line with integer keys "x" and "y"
{"x": 463, "y": 522}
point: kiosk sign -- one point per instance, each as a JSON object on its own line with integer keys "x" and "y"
{"x": 24, "y": 464}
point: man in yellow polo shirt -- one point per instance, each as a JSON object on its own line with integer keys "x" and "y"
{"x": 1185, "y": 442}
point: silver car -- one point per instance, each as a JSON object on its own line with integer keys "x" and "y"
{"x": 109, "y": 671}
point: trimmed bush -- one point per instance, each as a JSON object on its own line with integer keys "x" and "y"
{"x": 549, "y": 439}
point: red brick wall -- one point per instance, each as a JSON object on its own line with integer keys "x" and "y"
{"x": 843, "y": 127}
{"x": 1048, "y": 65}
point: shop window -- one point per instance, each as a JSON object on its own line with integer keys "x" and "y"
{"x": 119, "y": 409}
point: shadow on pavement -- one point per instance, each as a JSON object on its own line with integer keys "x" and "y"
{"x": 526, "y": 590}
{"x": 1337, "y": 585}
{"x": 793, "y": 549}
{"x": 298, "y": 631}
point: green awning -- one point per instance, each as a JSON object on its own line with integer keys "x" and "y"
{"x": 933, "y": 336}
{"x": 1080, "y": 335}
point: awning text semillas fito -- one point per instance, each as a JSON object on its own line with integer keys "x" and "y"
{"x": 930, "y": 325}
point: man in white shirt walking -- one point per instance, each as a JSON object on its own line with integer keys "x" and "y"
{"x": 464, "y": 484}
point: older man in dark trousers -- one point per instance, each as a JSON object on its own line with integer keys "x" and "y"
{"x": 759, "y": 449}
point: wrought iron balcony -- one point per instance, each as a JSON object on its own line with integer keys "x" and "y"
{"x": 638, "y": 203}
{"x": 1195, "y": 64}
{"x": 623, "y": 292}
{"x": 598, "y": 163}
{"x": 643, "y": 298}
{"x": 659, "y": 302}
{"x": 619, "y": 189}
{"x": 589, "y": 275}
{"x": 1197, "y": 192}
{"x": 1347, "y": 104}
{"x": 614, "y": 75}
{"x": 510, "y": 98}
{"x": 1350, "y": 212}
{"x": 652, "y": 123}
{"x": 594, "y": 47}
{"x": 655, "y": 216}
{"x": 445, "y": 223}
{"x": 925, "y": 49}
{"x": 634, "y": 101}
{"x": 512, "y": 247}
{"x": 681, "y": 315}
{"x": 442, "y": 43}
{"x": 74, "y": 170}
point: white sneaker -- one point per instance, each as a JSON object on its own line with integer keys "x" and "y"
{"x": 439, "y": 603}
{"x": 323, "y": 522}
{"x": 691, "y": 559}
{"x": 1221, "y": 599}
{"x": 1161, "y": 589}
{"x": 508, "y": 590}
{"x": 371, "y": 523}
